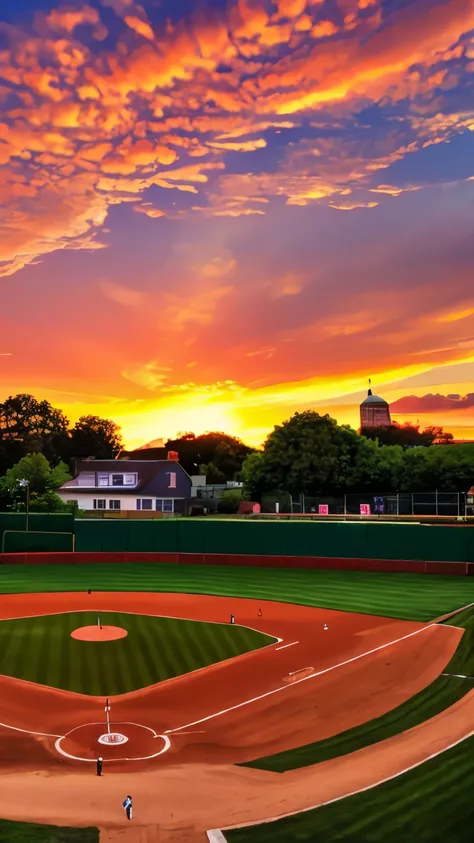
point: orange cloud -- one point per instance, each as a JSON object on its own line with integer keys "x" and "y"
{"x": 239, "y": 146}
{"x": 103, "y": 125}
{"x": 68, "y": 20}
{"x": 139, "y": 26}
{"x": 154, "y": 213}
{"x": 324, "y": 29}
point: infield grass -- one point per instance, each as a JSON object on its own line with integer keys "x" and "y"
{"x": 431, "y": 804}
{"x": 406, "y": 596}
{"x": 41, "y": 650}
{"x": 14, "y": 832}
{"x": 441, "y": 694}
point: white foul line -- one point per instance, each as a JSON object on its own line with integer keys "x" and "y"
{"x": 348, "y": 795}
{"x": 28, "y": 731}
{"x": 287, "y": 645}
{"x": 303, "y": 679}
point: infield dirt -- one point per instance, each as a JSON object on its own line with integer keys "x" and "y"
{"x": 230, "y": 712}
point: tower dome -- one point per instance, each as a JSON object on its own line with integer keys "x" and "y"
{"x": 374, "y": 411}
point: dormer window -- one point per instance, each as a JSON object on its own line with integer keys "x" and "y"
{"x": 123, "y": 479}
{"x": 118, "y": 480}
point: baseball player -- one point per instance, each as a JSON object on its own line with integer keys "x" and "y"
{"x": 232, "y": 619}
{"x": 127, "y": 804}
{"x": 325, "y": 627}
{"x": 99, "y": 766}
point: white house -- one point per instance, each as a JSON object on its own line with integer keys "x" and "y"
{"x": 143, "y": 485}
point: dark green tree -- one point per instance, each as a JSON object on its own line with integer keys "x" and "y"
{"x": 42, "y": 479}
{"x": 218, "y": 455}
{"x": 93, "y": 436}
{"x": 378, "y": 468}
{"x": 29, "y": 426}
{"x": 407, "y": 435}
{"x": 37, "y": 471}
{"x": 253, "y": 476}
{"x": 310, "y": 454}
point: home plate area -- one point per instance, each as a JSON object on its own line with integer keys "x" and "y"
{"x": 122, "y": 742}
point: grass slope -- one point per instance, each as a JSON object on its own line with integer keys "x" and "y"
{"x": 13, "y": 832}
{"x": 408, "y": 596}
{"x": 442, "y": 693}
{"x": 41, "y": 650}
{"x": 431, "y": 804}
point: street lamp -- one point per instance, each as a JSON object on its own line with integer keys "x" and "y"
{"x": 25, "y": 484}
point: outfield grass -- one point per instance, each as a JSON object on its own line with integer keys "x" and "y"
{"x": 13, "y": 832}
{"x": 408, "y": 596}
{"x": 441, "y": 694}
{"x": 41, "y": 650}
{"x": 431, "y": 804}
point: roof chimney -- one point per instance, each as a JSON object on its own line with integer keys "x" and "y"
{"x": 173, "y": 455}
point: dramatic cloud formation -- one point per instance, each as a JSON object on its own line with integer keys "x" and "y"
{"x": 173, "y": 184}
{"x": 433, "y": 403}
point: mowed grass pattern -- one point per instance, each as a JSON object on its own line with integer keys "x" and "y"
{"x": 406, "y": 596}
{"x": 41, "y": 650}
{"x": 431, "y": 804}
{"x": 15, "y": 832}
{"x": 442, "y": 693}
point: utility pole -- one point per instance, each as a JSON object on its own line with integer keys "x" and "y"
{"x": 25, "y": 484}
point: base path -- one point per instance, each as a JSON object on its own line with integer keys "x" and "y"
{"x": 208, "y": 720}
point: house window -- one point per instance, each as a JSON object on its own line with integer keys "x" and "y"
{"x": 123, "y": 479}
{"x": 100, "y": 503}
{"x": 172, "y": 479}
{"x": 114, "y": 504}
{"x": 102, "y": 479}
{"x": 165, "y": 505}
{"x": 144, "y": 503}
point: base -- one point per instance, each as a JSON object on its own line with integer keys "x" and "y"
{"x": 113, "y": 738}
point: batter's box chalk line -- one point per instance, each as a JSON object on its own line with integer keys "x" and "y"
{"x": 115, "y": 738}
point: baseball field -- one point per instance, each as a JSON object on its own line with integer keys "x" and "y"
{"x": 338, "y": 706}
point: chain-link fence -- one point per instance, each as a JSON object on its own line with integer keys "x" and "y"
{"x": 369, "y": 503}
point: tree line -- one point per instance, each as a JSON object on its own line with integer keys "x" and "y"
{"x": 38, "y": 444}
{"x": 312, "y": 455}
{"x": 308, "y": 454}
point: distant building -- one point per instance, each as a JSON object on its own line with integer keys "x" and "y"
{"x": 142, "y": 485}
{"x": 374, "y": 412}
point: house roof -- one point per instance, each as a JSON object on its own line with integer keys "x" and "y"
{"x": 143, "y": 454}
{"x": 147, "y": 470}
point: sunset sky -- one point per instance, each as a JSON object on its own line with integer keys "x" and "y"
{"x": 216, "y": 213}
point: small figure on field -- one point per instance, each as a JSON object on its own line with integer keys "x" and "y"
{"x": 89, "y": 591}
{"x": 259, "y": 613}
{"x": 99, "y": 766}
{"x": 325, "y": 626}
{"x": 127, "y": 804}
{"x": 232, "y": 619}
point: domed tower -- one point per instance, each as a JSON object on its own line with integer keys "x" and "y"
{"x": 374, "y": 412}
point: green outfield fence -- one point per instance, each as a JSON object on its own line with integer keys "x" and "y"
{"x": 229, "y": 542}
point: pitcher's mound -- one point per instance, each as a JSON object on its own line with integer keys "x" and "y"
{"x": 94, "y": 633}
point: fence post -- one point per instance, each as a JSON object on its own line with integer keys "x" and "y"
{"x": 345, "y": 506}
{"x": 303, "y": 503}
{"x": 398, "y": 503}
{"x": 436, "y": 498}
